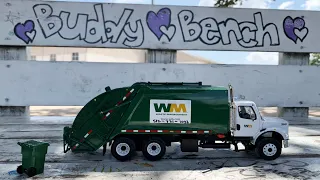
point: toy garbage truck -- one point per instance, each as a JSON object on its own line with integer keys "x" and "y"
{"x": 148, "y": 117}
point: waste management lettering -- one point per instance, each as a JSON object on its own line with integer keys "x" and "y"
{"x": 35, "y": 23}
{"x": 170, "y": 111}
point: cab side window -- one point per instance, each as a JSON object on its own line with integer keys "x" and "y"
{"x": 246, "y": 112}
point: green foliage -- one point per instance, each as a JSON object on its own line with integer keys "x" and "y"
{"x": 228, "y": 3}
{"x": 315, "y": 59}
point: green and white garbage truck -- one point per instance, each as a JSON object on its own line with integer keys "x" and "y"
{"x": 148, "y": 117}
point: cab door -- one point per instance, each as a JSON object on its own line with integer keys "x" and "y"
{"x": 247, "y": 121}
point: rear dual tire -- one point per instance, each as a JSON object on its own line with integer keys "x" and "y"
{"x": 154, "y": 149}
{"x": 123, "y": 149}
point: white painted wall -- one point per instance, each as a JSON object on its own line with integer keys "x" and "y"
{"x": 116, "y": 55}
{"x": 62, "y": 54}
{"x": 75, "y": 83}
{"x": 185, "y": 58}
{"x": 107, "y": 55}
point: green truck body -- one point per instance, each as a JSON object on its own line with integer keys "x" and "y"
{"x": 158, "y": 112}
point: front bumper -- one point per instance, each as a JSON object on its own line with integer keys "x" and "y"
{"x": 285, "y": 143}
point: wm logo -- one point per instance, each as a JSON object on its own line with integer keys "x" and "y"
{"x": 170, "y": 107}
{"x": 248, "y": 125}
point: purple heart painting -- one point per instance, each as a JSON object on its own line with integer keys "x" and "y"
{"x": 156, "y": 21}
{"x": 295, "y": 28}
{"x": 26, "y": 31}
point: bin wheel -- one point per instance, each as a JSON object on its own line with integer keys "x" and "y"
{"x": 20, "y": 169}
{"x": 31, "y": 171}
{"x": 123, "y": 148}
{"x": 154, "y": 149}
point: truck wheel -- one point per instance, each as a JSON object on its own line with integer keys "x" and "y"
{"x": 123, "y": 148}
{"x": 154, "y": 149}
{"x": 269, "y": 149}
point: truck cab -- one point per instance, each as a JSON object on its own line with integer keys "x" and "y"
{"x": 266, "y": 135}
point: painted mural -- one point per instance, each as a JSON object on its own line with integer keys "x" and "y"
{"x": 163, "y": 27}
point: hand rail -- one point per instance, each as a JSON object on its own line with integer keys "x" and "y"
{"x": 175, "y": 83}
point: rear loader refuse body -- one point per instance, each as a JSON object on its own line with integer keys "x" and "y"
{"x": 148, "y": 117}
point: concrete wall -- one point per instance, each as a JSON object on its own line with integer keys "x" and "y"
{"x": 75, "y": 83}
{"x": 107, "y": 55}
{"x": 153, "y": 28}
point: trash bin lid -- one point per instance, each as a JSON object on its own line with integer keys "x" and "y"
{"x": 33, "y": 143}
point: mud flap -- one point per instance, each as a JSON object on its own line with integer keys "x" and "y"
{"x": 66, "y": 139}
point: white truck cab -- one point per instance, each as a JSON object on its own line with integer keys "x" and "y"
{"x": 267, "y": 135}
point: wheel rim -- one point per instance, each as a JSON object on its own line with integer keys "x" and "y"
{"x": 269, "y": 149}
{"x": 123, "y": 149}
{"x": 153, "y": 149}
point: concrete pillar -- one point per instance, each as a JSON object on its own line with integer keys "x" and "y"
{"x": 161, "y": 56}
{"x": 299, "y": 59}
{"x": 13, "y": 53}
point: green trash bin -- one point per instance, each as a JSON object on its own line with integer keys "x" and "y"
{"x": 33, "y": 157}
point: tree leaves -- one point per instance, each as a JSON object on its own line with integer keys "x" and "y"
{"x": 315, "y": 59}
{"x": 226, "y": 3}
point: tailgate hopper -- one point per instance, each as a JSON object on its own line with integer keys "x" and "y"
{"x": 91, "y": 129}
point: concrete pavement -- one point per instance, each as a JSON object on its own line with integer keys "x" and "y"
{"x": 300, "y": 161}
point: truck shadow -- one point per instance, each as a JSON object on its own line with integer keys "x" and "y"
{"x": 226, "y": 163}
{"x": 207, "y": 163}
{"x": 229, "y": 168}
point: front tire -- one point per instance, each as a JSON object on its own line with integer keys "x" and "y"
{"x": 154, "y": 149}
{"x": 123, "y": 148}
{"x": 268, "y": 149}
